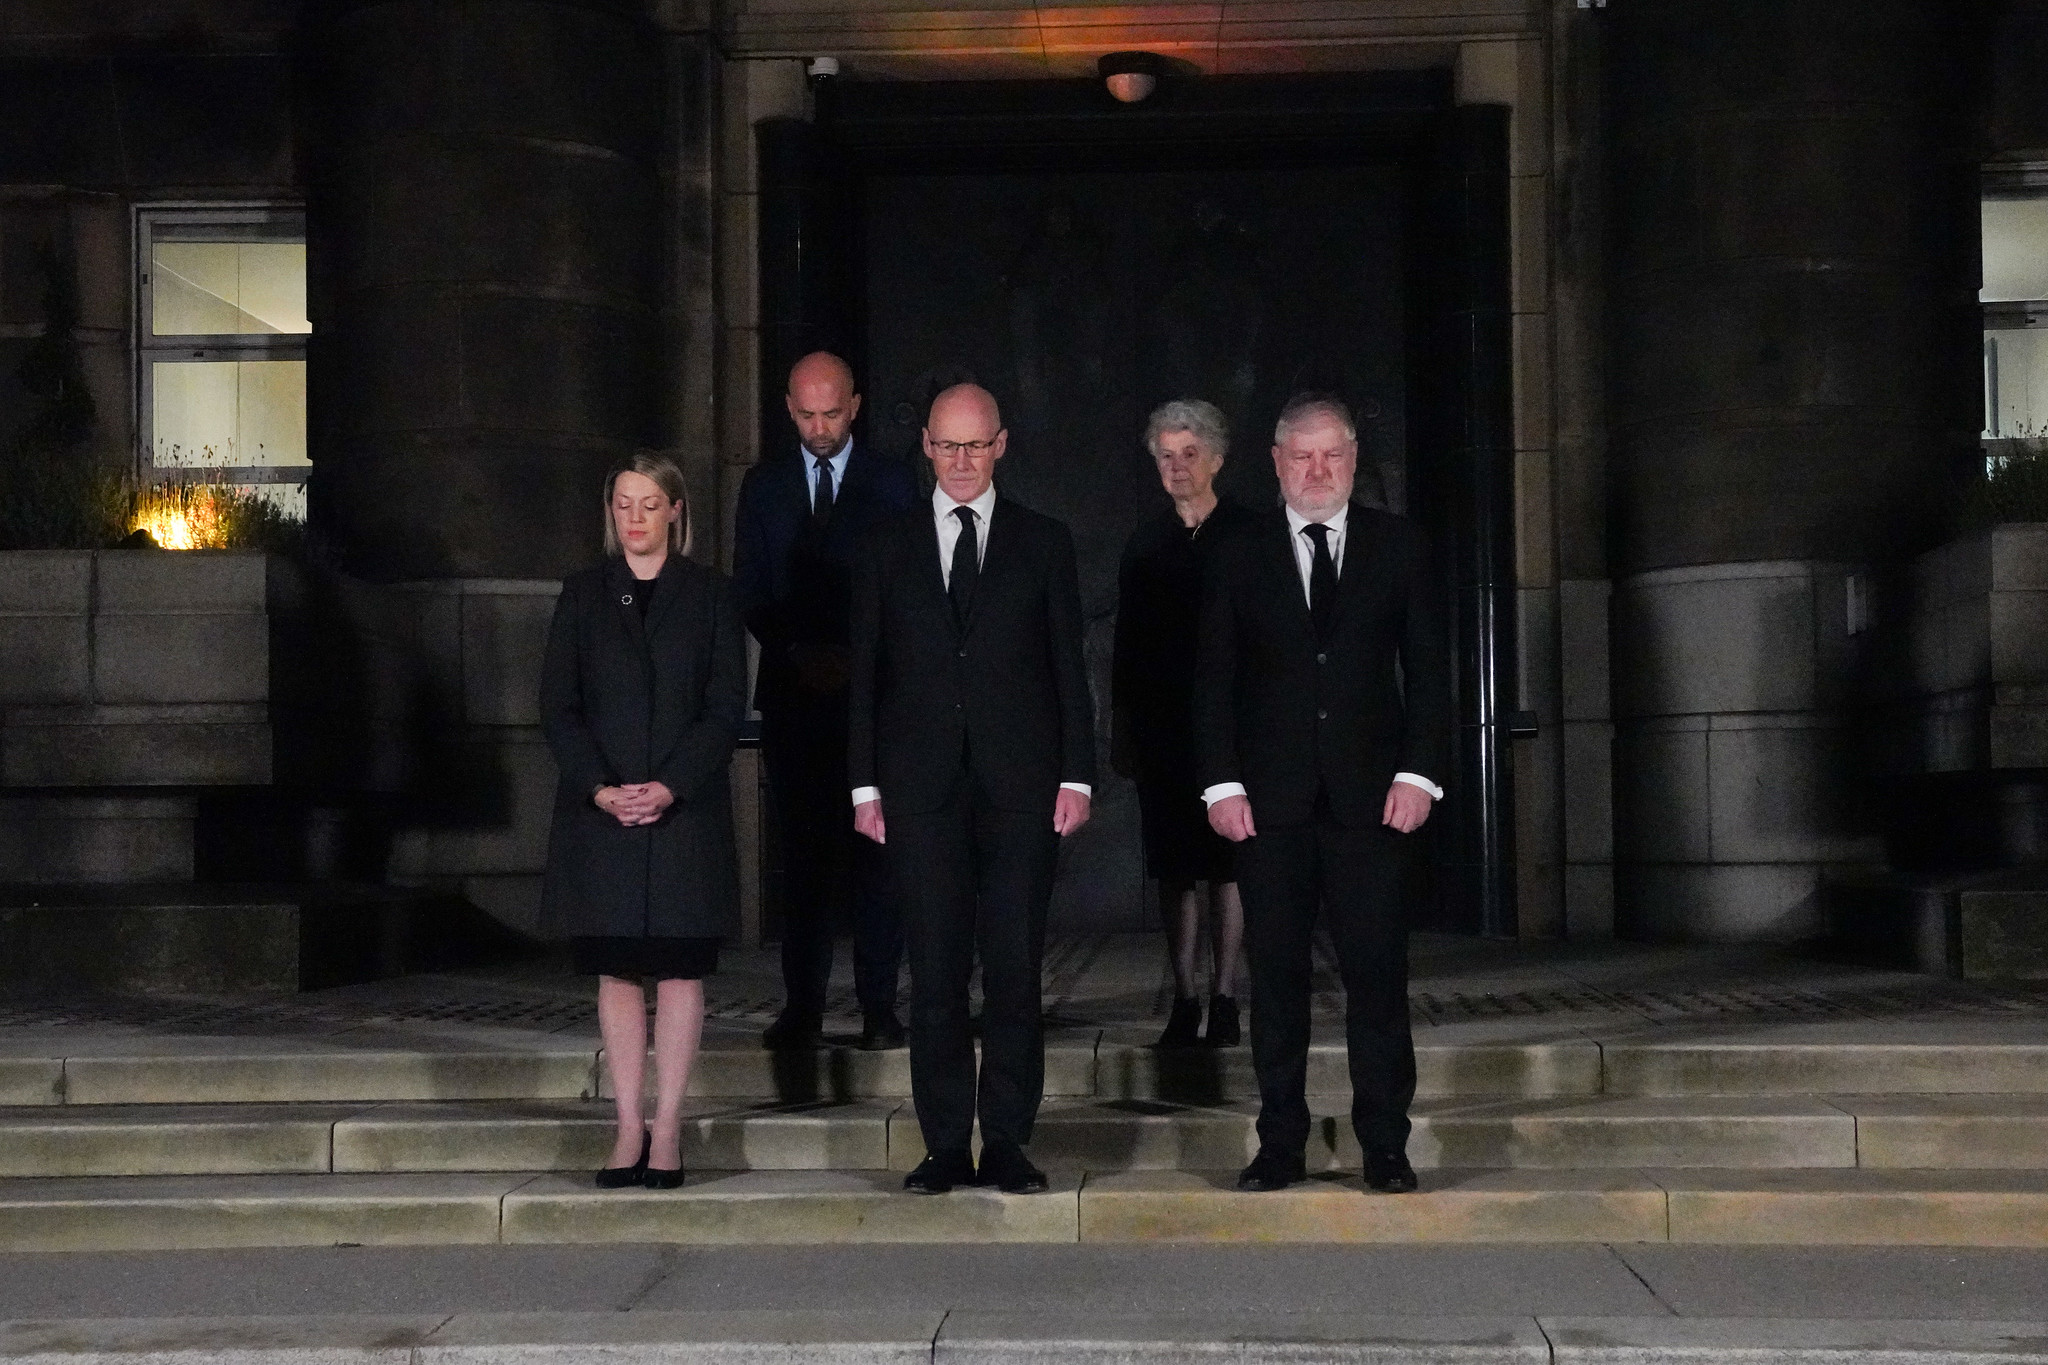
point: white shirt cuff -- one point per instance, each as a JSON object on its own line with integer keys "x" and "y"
{"x": 863, "y": 795}
{"x": 1211, "y": 795}
{"x": 1436, "y": 793}
{"x": 1081, "y": 787}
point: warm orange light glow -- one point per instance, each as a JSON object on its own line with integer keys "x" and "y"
{"x": 181, "y": 517}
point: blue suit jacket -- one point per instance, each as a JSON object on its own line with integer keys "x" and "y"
{"x": 795, "y": 582}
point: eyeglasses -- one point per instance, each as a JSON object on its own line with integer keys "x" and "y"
{"x": 951, "y": 448}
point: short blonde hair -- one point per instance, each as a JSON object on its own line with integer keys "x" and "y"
{"x": 668, "y": 478}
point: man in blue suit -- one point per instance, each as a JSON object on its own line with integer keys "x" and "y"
{"x": 801, "y": 512}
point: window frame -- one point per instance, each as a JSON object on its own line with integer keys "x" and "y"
{"x": 287, "y": 221}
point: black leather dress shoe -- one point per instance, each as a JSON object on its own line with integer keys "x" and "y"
{"x": 940, "y": 1172}
{"x": 1005, "y": 1167}
{"x": 1273, "y": 1171}
{"x": 881, "y": 1033}
{"x": 792, "y": 1032}
{"x": 1389, "y": 1173}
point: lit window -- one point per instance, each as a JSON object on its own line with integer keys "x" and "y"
{"x": 221, "y": 348}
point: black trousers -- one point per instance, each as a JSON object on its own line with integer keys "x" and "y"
{"x": 803, "y": 746}
{"x": 974, "y": 880}
{"x": 1352, "y": 877}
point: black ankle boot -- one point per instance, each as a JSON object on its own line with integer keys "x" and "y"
{"x": 1184, "y": 1025}
{"x": 1223, "y": 1028}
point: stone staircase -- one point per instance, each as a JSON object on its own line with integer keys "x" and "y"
{"x": 1917, "y": 1130}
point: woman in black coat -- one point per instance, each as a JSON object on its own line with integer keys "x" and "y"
{"x": 1152, "y": 699}
{"x": 642, "y": 693}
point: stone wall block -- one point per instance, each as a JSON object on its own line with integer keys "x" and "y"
{"x": 96, "y": 839}
{"x": 499, "y": 823}
{"x": 47, "y": 659}
{"x": 1737, "y": 637}
{"x": 2019, "y": 557}
{"x": 140, "y": 753}
{"x": 2019, "y": 637}
{"x": 201, "y": 581}
{"x": 1588, "y": 792}
{"x": 1785, "y": 789}
{"x": 1536, "y": 653}
{"x": 1583, "y": 648}
{"x": 1589, "y": 901}
{"x": 166, "y": 657}
{"x": 45, "y": 582}
{"x": 504, "y": 635}
{"x": 2019, "y": 737}
{"x": 1665, "y": 804}
{"x": 1724, "y": 903}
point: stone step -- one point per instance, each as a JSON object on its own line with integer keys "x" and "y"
{"x": 1810, "y": 1207}
{"x": 367, "y": 1065}
{"x": 1598, "y": 1132}
{"x": 1836, "y": 1062}
{"x": 1820, "y": 1207}
{"x": 517, "y": 1135}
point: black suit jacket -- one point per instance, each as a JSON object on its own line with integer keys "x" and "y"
{"x": 1005, "y": 699}
{"x": 1285, "y": 714}
{"x": 625, "y": 701}
{"x": 794, "y": 583}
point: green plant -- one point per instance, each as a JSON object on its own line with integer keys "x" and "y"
{"x": 2013, "y": 487}
{"x": 211, "y": 515}
{"x": 52, "y": 494}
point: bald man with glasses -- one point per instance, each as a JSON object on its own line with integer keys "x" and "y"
{"x": 972, "y": 755}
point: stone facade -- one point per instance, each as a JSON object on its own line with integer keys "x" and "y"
{"x": 1728, "y": 399}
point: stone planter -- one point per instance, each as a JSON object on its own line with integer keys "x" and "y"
{"x": 126, "y": 669}
{"x": 1958, "y": 738}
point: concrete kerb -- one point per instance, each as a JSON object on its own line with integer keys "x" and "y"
{"x": 935, "y": 1338}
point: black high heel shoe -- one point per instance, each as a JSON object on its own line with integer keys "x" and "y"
{"x": 624, "y": 1177}
{"x": 664, "y": 1180}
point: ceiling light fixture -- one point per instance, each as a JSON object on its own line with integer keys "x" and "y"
{"x": 1131, "y": 76}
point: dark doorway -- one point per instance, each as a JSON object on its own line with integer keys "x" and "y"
{"x": 1235, "y": 240}
{"x": 1082, "y": 301}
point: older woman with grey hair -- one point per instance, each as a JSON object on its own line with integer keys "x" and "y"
{"x": 1158, "y": 618}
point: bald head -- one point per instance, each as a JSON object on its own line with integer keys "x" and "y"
{"x": 963, "y": 438}
{"x": 822, "y": 403}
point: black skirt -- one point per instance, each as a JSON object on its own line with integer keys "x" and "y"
{"x": 640, "y": 959}
{"x": 1179, "y": 844}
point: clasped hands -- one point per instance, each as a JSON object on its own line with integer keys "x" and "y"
{"x": 1407, "y": 807}
{"x": 1069, "y": 813}
{"x": 639, "y": 803}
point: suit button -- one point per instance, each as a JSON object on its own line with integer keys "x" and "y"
{"x": 1322, "y": 715}
{"x": 960, "y": 654}
{"x": 1322, "y": 658}
{"x": 956, "y": 706}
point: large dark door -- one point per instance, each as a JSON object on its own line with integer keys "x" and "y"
{"x": 1083, "y": 300}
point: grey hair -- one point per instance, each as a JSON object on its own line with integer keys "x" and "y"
{"x": 1205, "y": 421}
{"x": 1307, "y": 407}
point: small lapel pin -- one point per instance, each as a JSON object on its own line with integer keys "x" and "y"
{"x": 626, "y": 600}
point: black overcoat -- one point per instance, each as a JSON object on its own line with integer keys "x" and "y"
{"x": 624, "y": 701}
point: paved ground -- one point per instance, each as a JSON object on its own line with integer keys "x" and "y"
{"x": 1121, "y": 979}
{"x": 1571, "y": 1280}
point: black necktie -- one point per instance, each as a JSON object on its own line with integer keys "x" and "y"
{"x": 821, "y": 504}
{"x": 1322, "y": 578}
{"x": 966, "y": 566}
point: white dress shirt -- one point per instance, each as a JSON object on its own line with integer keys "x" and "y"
{"x": 838, "y": 464}
{"x": 1304, "y": 561}
{"x": 943, "y": 508}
